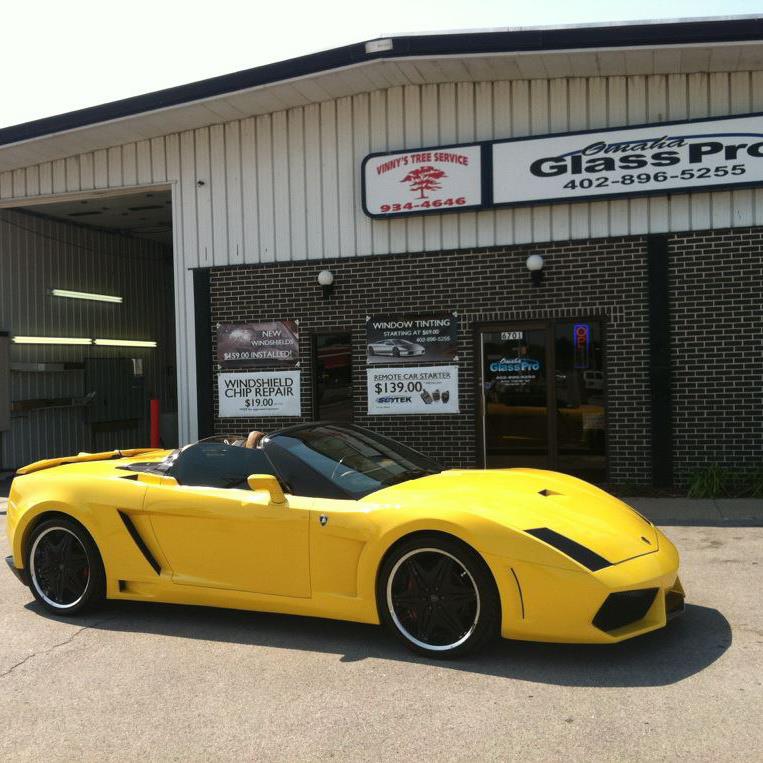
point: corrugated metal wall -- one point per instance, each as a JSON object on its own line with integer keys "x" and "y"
{"x": 38, "y": 254}
{"x": 286, "y": 186}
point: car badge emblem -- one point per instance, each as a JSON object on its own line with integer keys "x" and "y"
{"x": 323, "y": 519}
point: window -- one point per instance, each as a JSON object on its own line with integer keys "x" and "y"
{"x": 217, "y": 464}
{"x": 328, "y": 461}
{"x": 333, "y": 376}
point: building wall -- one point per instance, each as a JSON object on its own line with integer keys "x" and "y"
{"x": 716, "y": 280}
{"x": 38, "y": 254}
{"x": 285, "y": 186}
{"x": 716, "y": 284}
{"x": 584, "y": 278}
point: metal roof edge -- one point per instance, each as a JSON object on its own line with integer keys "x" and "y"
{"x": 525, "y": 40}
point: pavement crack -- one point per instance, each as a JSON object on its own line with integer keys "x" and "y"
{"x": 55, "y": 646}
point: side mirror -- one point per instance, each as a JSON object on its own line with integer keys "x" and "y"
{"x": 267, "y": 482}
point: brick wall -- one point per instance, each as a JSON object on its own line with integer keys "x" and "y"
{"x": 592, "y": 278}
{"x": 716, "y": 280}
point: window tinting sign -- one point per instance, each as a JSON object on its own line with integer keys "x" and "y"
{"x": 581, "y": 339}
{"x": 420, "y": 338}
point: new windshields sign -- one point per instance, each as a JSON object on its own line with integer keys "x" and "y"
{"x": 698, "y": 155}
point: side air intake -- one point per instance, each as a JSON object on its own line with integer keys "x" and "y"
{"x": 140, "y": 543}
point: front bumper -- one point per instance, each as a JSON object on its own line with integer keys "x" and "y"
{"x": 543, "y": 603}
{"x": 20, "y": 574}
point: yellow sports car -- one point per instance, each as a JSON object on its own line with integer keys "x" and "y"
{"x": 336, "y": 521}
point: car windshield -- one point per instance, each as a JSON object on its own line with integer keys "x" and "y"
{"x": 343, "y": 460}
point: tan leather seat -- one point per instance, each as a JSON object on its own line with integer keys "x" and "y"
{"x": 253, "y": 439}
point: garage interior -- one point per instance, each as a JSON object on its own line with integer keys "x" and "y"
{"x": 87, "y": 326}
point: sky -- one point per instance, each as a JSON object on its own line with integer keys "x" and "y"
{"x": 61, "y": 56}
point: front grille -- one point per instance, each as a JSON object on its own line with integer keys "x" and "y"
{"x": 624, "y": 608}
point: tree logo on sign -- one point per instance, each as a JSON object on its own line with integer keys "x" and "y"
{"x": 424, "y": 179}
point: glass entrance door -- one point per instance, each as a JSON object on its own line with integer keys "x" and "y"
{"x": 515, "y": 390}
{"x": 543, "y": 402}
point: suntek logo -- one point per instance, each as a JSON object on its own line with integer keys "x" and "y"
{"x": 634, "y": 154}
{"x": 394, "y": 399}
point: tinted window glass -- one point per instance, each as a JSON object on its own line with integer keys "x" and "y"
{"x": 333, "y": 367}
{"x": 215, "y": 464}
{"x": 348, "y": 459}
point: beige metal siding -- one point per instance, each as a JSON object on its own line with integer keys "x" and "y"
{"x": 286, "y": 186}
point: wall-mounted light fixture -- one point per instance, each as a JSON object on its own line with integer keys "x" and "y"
{"x": 85, "y": 295}
{"x": 326, "y": 282}
{"x": 123, "y": 343}
{"x": 51, "y": 340}
{"x": 535, "y": 266}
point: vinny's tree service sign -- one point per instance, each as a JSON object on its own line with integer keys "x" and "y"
{"x": 271, "y": 343}
{"x": 698, "y": 155}
{"x": 427, "y": 180}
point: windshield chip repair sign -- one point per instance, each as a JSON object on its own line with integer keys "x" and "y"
{"x": 421, "y": 181}
{"x": 259, "y": 393}
{"x": 401, "y": 391}
{"x": 271, "y": 343}
{"x": 423, "y": 338}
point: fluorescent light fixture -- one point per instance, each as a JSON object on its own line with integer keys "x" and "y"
{"x": 51, "y": 340}
{"x": 85, "y": 295}
{"x": 123, "y": 343}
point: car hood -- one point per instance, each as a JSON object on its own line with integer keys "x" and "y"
{"x": 527, "y": 499}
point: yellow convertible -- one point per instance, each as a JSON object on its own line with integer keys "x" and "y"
{"x": 336, "y": 521}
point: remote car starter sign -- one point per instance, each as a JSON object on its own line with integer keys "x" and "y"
{"x": 400, "y": 391}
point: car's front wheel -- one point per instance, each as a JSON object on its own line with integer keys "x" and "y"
{"x": 438, "y": 597}
{"x": 66, "y": 572}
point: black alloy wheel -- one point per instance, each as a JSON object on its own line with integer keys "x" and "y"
{"x": 65, "y": 569}
{"x": 438, "y": 597}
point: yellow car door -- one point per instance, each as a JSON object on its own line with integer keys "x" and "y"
{"x": 232, "y": 538}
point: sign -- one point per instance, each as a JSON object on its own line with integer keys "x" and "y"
{"x": 425, "y": 180}
{"x": 695, "y": 155}
{"x": 688, "y": 156}
{"x": 401, "y": 391}
{"x": 581, "y": 337}
{"x": 271, "y": 343}
{"x": 259, "y": 393}
{"x": 400, "y": 338}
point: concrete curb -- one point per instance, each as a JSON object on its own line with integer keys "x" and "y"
{"x": 710, "y": 512}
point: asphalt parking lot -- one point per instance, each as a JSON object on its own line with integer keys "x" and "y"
{"x": 180, "y": 683}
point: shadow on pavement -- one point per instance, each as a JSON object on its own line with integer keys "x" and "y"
{"x": 687, "y": 646}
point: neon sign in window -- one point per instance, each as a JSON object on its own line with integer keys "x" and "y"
{"x": 581, "y": 340}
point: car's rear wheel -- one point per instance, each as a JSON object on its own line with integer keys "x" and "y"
{"x": 438, "y": 597}
{"x": 65, "y": 569}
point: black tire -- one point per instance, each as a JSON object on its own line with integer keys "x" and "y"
{"x": 395, "y": 352}
{"x": 437, "y": 595}
{"x": 371, "y": 350}
{"x": 66, "y": 572}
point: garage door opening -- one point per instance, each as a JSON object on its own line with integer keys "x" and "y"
{"x": 87, "y": 327}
